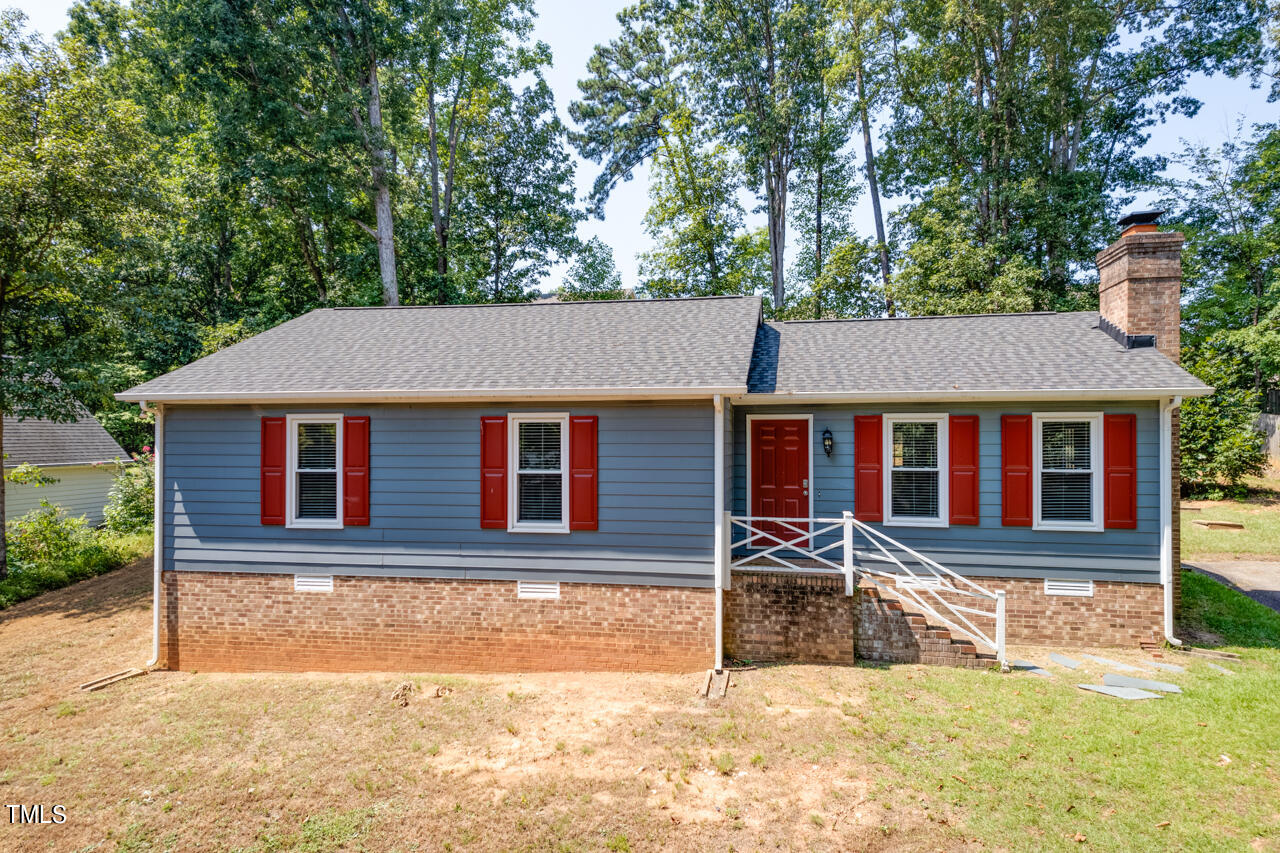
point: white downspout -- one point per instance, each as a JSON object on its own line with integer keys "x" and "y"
{"x": 721, "y": 558}
{"x": 157, "y": 521}
{"x": 1167, "y": 568}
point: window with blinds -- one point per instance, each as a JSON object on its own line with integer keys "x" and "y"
{"x": 915, "y": 469}
{"x": 540, "y": 486}
{"x": 315, "y": 462}
{"x": 1066, "y": 471}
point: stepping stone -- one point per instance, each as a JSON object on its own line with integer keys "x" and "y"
{"x": 1170, "y": 667}
{"x": 1112, "y": 680}
{"x": 1028, "y": 666}
{"x": 1115, "y": 664}
{"x": 1063, "y": 660}
{"x": 1119, "y": 692}
{"x": 1221, "y": 669}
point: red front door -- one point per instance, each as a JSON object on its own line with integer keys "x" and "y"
{"x": 780, "y": 475}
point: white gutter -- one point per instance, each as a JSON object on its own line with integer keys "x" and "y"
{"x": 157, "y": 521}
{"x": 974, "y": 395}
{"x": 1167, "y": 568}
{"x": 438, "y": 395}
{"x": 721, "y": 558}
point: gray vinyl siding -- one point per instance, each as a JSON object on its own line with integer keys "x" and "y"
{"x": 655, "y": 499}
{"x": 80, "y": 490}
{"x": 988, "y": 548}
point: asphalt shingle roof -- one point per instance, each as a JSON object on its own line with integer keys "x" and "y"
{"x": 990, "y": 352}
{"x": 680, "y": 344}
{"x": 676, "y": 345}
{"x": 41, "y": 442}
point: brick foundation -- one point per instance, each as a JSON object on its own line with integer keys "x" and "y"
{"x": 784, "y": 616}
{"x": 1118, "y": 614}
{"x": 235, "y": 622}
{"x": 776, "y": 616}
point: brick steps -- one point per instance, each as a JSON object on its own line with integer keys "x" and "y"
{"x": 928, "y": 644}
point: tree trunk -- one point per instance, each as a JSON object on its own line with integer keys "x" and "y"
{"x": 776, "y": 193}
{"x": 874, "y": 187}
{"x": 310, "y": 253}
{"x": 433, "y": 155}
{"x": 382, "y": 194}
{"x": 817, "y": 242}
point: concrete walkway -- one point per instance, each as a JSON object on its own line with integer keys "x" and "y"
{"x": 1256, "y": 579}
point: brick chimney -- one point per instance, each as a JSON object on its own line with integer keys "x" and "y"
{"x": 1141, "y": 285}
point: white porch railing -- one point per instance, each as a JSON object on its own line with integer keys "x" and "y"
{"x": 781, "y": 541}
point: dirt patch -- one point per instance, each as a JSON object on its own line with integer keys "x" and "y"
{"x": 536, "y": 761}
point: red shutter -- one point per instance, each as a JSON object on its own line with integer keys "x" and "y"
{"x": 583, "y": 498}
{"x": 493, "y": 472}
{"x": 1120, "y": 471}
{"x": 355, "y": 471}
{"x": 964, "y": 434}
{"x": 868, "y": 483}
{"x": 275, "y": 454}
{"x": 1015, "y": 470}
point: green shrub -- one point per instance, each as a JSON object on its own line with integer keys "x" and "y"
{"x": 1220, "y": 442}
{"x": 46, "y": 536}
{"x": 131, "y": 500}
{"x": 48, "y": 549}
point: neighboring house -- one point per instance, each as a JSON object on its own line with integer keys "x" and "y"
{"x": 619, "y": 485}
{"x": 77, "y": 455}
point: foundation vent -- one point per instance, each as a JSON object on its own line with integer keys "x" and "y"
{"x": 313, "y": 583}
{"x": 908, "y": 582}
{"x": 537, "y": 589}
{"x": 1082, "y": 589}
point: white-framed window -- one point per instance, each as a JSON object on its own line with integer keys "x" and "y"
{"x": 314, "y": 485}
{"x": 915, "y": 470}
{"x": 1068, "y": 471}
{"x": 539, "y": 452}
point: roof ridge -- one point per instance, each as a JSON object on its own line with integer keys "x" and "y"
{"x": 931, "y": 317}
{"x": 541, "y": 302}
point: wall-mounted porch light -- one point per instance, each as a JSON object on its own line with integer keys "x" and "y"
{"x": 828, "y": 441}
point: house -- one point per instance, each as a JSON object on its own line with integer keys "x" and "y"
{"x": 654, "y": 484}
{"x": 74, "y": 455}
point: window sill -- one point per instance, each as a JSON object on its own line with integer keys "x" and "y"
{"x": 314, "y": 525}
{"x": 531, "y": 528}
{"x": 916, "y": 522}
{"x": 1067, "y": 528}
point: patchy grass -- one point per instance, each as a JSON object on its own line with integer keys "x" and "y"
{"x": 1210, "y": 608}
{"x": 795, "y": 758}
{"x": 1259, "y": 512}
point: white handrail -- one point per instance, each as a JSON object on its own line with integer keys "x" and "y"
{"x": 799, "y": 536}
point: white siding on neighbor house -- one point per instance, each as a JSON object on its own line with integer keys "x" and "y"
{"x": 80, "y": 490}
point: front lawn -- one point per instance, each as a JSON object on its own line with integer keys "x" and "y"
{"x": 795, "y": 758}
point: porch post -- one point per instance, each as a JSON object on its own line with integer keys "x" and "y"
{"x": 721, "y": 558}
{"x": 848, "y": 552}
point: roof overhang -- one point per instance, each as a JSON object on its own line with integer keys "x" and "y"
{"x": 467, "y": 395}
{"x": 968, "y": 396}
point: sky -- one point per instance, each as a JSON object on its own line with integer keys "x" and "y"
{"x": 573, "y": 28}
